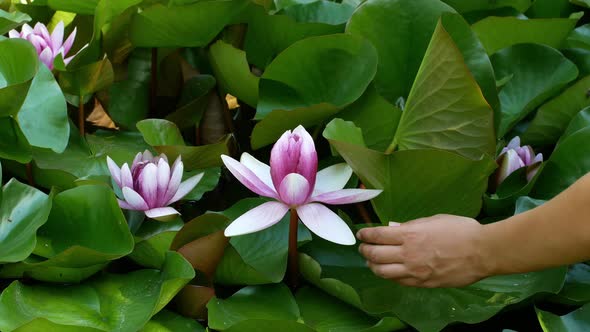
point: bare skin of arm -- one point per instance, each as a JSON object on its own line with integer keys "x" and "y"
{"x": 453, "y": 251}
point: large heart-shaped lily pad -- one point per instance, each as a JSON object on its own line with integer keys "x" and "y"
{"x": 111, "y": 302}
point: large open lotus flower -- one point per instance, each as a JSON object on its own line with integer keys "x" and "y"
{"x": 150, "y": 185}
{"x": 514, "y": 157}
{"x": 48, "y": 46}
{"x": 293, "y": 181}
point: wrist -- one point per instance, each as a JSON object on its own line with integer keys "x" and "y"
{"x": 488, "y": 251}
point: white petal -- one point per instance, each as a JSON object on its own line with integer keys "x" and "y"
{"x": 46, "y": 57}
{"x": 126, "y": 177}
{"x": 259, "y": 218}
{"x": 514, "y": 143}
{"x": 67, "y": 45}
{"x": 347, "y": 196}
{"x": 13, "y": 34}
{"x": 125, "y": 205}
{"x": 147, "y": 156}
{"x": 175, "y": 178}
{"x": 186, "y": 187}
{"x": 136, "y": 161}
{"x": 57, "y": 37}
{"x": 148, "y": 185}
{"x": 27, "y": 30}
{"x": 162, "y": 213}
{"x": 259, "y": 168}
{"x": 332, "y": 178}
{"x": 294, "y": 190}
{"x": 134, "y": 199}
{"x": 115, "y": 171}
{"x": 325, "y": 223}
{"x": 40, "y": 29}
{"x": 163, "y": 178}
{"x": 247, "y": 177}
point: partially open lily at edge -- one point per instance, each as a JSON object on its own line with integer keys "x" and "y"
{"x": 513, "y": 157}
{"x": 293, "y": 181}
{"x": 150, "y": 185}
{"x": 48, "y": 46}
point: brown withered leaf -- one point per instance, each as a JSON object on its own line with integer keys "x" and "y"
{"x": 206, "y": 252}
{"x": 192, "y": 301}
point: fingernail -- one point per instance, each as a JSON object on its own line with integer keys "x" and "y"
{"x": 359, "y": 235}
{"x": 393, "y": 223}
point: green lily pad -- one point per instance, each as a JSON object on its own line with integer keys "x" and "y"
{"x": 43, "y": 117}
{"x": 160, "y": 132}
{"x": 553, "y": 117}
{"x": 12, "y": 20}
{"x": 342, "y": 272}
{"x": 23, "y": 210}
{"x": 550, "y": 9}
{"x": 538, "y": 72}
{"x": 503, "y": 202}
{"x": 300, "y": 95}
{"x": 233, "y": 72}
{"x": 569, "y": 161}
{"x": 446, "y": 109}
{"x": 277, "y": 122}
{"x": 18, "y": 66}
{"x": 442, "y": 181}
{"x": 320, "y": 11}
{"x": 577, "y": 320}
{"x": 476, "y": 5}
{"x": 153, "y": 240}
{"x": 13, "y": 143}
{"x": 111, "y": 302}
{"x": 474, "y": 55}
{"x": 72, "y": 239}
{"x": 168, "y": 321}
{"x": 292, "y": 80}
{"x": 194, "y": 101}
{"x": 255, "y": 306}
{"x": 188, "y": 25}
{"x": 412, "y": 22}
{"x": 497, "y": 33}
{"x": 325, "y": 313}
{"x": 269, "y": 35}
{"x": 375, "y": 116}
{"x": 88, "y": 79}
{"x": 197, "y": 157}
{"x": 74, "y": 6}
{"x": 265, "y": 252}
{"x": 129, "y": 98}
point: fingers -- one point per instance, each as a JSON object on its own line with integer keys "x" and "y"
{"x": 381, "y": 235}
{"x": 389, "y": 271}
{"x": 381, "y": 254}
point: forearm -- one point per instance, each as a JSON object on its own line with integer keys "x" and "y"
{"x": 556, "y": 233}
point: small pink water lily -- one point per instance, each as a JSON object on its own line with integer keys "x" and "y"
{"x": 514, "y": 157}
{"x": 294, "y": 182}
{"x": 150, "y": 185}
{"x": 48, "y": 46}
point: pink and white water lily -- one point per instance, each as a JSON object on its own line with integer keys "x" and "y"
{"x": 293, "y": 181}
{"x": 150, "y": 185}
{"x": 513, "y": 157}
{"x": 48, "y": 46}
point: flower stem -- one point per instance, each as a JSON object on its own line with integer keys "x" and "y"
{"x": 293, "y": 260}
{"x": 30, "y": 178}
{"x": 81, "y": 120}
{"x": 363, "y": 210}
{"x": 391, "y": 147}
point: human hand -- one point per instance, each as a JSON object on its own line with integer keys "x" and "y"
{"x": 439, "y": 251}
